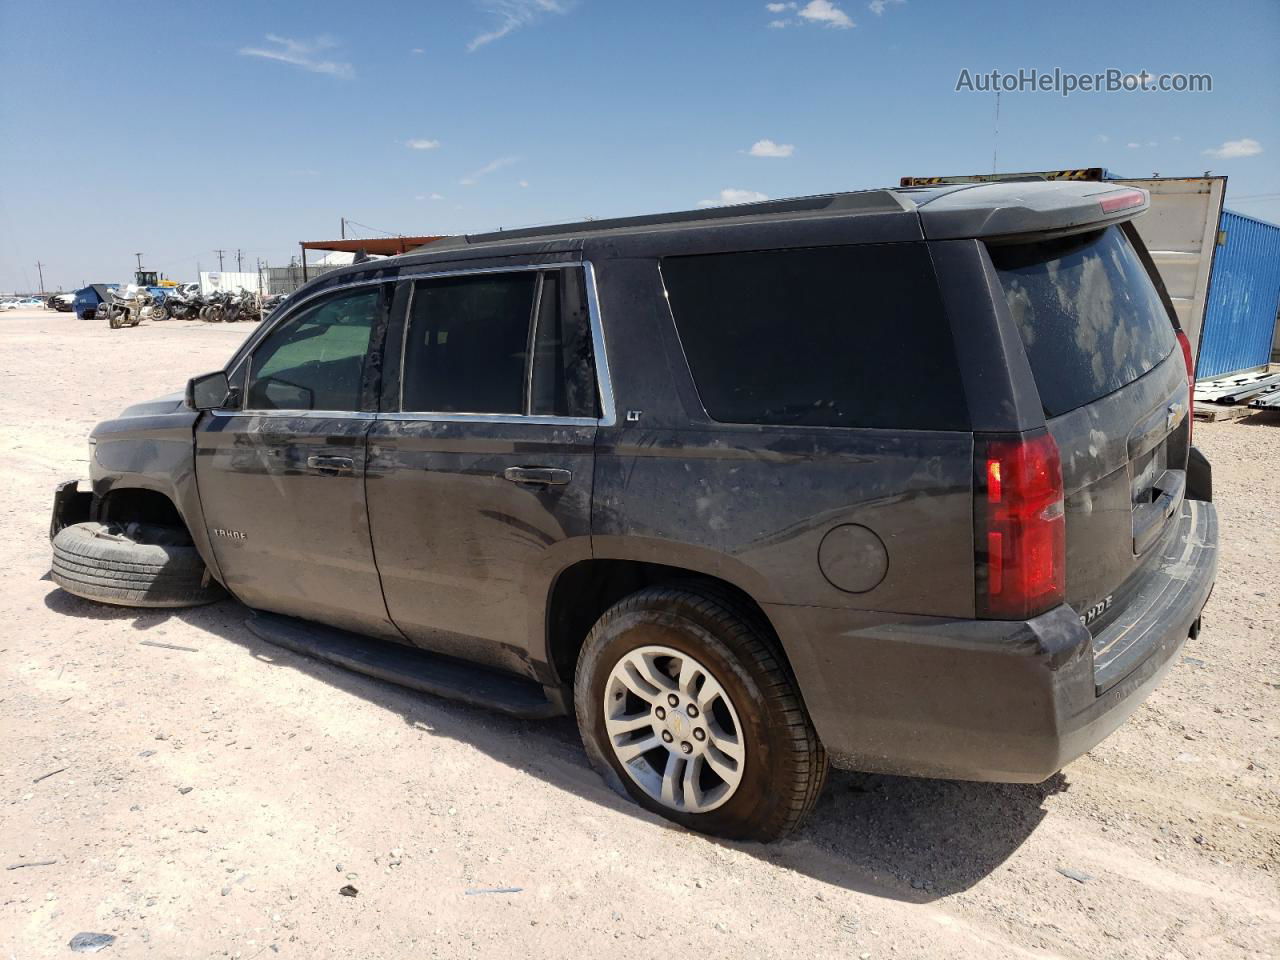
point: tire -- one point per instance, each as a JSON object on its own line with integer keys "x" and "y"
{"x": 132, "y": 565}
{"x": 752, "y": 707}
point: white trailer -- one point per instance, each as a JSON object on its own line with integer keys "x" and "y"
{"x": 1180, "y": 229}
{"x": 230, "y": 282}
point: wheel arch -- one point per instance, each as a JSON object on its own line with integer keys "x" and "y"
{"x": 583, "y": 591}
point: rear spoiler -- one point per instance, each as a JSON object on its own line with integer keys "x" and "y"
{"x": 1023, "y": 209}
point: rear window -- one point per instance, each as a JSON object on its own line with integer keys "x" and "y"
{"x": 848, "y": 336}
{"x": 1089, "y": 316}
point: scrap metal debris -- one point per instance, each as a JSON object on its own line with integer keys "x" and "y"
{"x": 168, "y": 646}
{"x": 91, "y": 942}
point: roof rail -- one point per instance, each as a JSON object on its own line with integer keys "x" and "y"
{"x": 862, "y": 201}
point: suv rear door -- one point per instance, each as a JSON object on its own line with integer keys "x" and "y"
{"x": 1102, "y": 347}
{"x": 480, "y": 465}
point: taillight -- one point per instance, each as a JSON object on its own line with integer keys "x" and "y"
{"x": 1185, "y": 344}
{"x": 1020, "y": 530}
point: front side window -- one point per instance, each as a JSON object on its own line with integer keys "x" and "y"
{"x": 315, "y": 360}
{"x": 512, "y": 343}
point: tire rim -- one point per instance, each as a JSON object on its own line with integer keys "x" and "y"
{"x": 674, "y": 729}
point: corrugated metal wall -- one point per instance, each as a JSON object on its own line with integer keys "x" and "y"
{"x": 1244, "y": 296}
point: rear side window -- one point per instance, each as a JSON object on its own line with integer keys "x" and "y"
{"x": 467, "y": 343}
{"x": 850, "y": 336}
{"x": 1088, "y": 314}
{"x": 503, "y": 343}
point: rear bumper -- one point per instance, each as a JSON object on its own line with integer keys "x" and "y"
{"x": 1011, "y": 701}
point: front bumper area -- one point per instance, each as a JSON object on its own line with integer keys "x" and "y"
{"x": 70, "y": 505}
{"x": 1008, "y": 701}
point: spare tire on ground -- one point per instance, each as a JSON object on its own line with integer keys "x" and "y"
{"x": 132, "y": 565}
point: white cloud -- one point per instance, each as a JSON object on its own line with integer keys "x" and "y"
{"x": 777, "y": 24}
{"x": 1152, "y": 143}
{"x": 524, "y": 183}
{"x": 417, "y": 50}
{"x": 1234, "y": 149}
{"x": 767, "y": 148}
{"x": 302, "y": 53}
{"x": 429, "y": 196}
{"x": 1176, "y": 138}
{"x": 511, "y": 15}
{"x": 1133, "y": 146}
{"x": 1103, "y": 138}
{"x": 826, "y": 13}
{"x": 779, "y": 7}
{"x": 471, "y": 178}
{"x": 878, "y": 7}
{"x": 422, "y": 144}
{"x": 731, "y": 195}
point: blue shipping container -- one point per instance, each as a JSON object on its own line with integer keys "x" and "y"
{"x": 1244, "y": 297}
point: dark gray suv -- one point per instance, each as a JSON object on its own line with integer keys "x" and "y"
{"x": 900, "y": 478}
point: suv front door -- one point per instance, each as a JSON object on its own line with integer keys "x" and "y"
{"x": 281, "y": 478}
{"x": 480, "y": 466}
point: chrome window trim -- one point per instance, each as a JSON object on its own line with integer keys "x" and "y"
{"x": 295, "y": 414}
{"x": 604, "y": 382}
{"x": 532, "y": 344}
{"x": 490, "y": 418}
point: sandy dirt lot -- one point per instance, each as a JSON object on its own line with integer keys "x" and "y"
{"x": 212, "y": 803}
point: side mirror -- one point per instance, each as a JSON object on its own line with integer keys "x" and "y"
{"x": 208, "y": 392}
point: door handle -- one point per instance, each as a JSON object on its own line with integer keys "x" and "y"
{"x": 330, "y": 466}
{"x": 539, "y": 476}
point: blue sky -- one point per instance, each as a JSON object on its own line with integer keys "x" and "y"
{"x": 175, "y": 129}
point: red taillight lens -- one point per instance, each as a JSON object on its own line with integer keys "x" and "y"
{"x": 1185, "y": 344}
{"x": 1021, "y": 531}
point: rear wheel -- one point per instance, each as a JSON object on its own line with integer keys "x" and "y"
{"x": 686, "y": 705}
{"x": 132, "y": 565}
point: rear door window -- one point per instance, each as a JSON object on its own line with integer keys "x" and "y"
{"x": 503, "y": 343}
{"x": 849, "y": 336}
{"x": 1089, "y": 316}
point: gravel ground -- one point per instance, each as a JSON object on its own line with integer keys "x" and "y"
{"x": 212, "y": 803}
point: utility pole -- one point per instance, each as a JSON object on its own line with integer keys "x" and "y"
{"x": 344, "y": 228}
{"x": 139, "y": 256}
{"x": 219, "y": 253}
{"x": 995, "y": 135}
{"x": 239, "y": 260}
{"x": 40, "y": 268}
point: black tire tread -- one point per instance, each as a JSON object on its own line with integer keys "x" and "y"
{"x": 127, "y": 573}
{"x": 802, "y": 772}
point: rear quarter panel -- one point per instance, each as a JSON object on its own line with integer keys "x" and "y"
{"x": 752, "y": 504}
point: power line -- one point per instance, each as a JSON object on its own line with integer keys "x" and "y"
{"x": 356, "y": 223}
